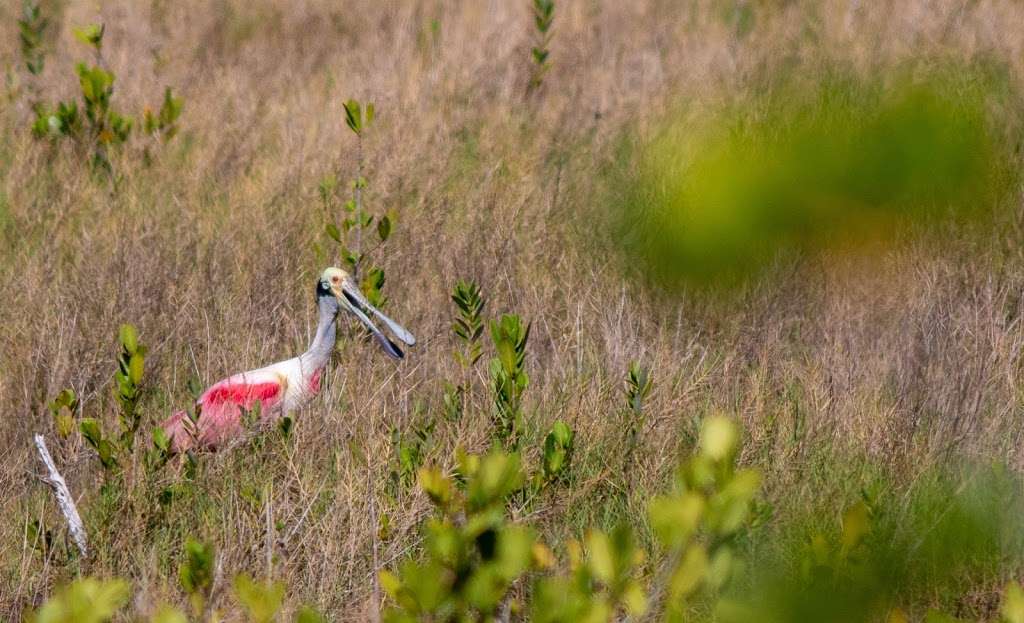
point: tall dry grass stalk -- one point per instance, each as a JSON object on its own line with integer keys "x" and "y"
{"x": 900, "y": 358}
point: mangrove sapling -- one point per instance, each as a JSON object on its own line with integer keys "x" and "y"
{"x": 637, "y": 386}
{"x": 32, "y": 29}
{"x": 355, "y": 220}
{"x": 468, "y": 327}
{"x": 509, "y": 378}
{"x": 543, "y": 17}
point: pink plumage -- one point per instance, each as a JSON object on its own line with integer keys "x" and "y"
{"x": 220, "y": 408}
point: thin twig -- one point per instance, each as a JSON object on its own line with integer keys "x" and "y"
{"x": 268, "y": 493}
{"x": 64, "y": 499}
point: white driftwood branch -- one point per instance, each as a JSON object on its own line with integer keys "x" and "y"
{"x": 64, "y": 499}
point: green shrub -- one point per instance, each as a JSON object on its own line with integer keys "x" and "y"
{"x": 508, "y": 377}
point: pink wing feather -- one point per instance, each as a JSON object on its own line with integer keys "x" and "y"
{"x": 221, "y": 408}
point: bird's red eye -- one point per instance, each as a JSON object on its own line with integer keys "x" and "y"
{"x": 335, "y": 279}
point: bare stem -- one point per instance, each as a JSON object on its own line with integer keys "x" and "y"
{"x": 359, "y": 205}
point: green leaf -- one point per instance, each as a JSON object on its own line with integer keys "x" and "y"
{"x": 602, "y": 558}
{"x": 161, "y": 441}
{"x": 498, "y": 476}
{"x": 90, "y": 429}
{"x": 65, "y": 423}
{"x": 635, "y": 599}
{"x": 85, "y": 601}
{"x": 353, "y": 116}
{"x": 690, "y": 572}
{"x": 260, "y": 600}
{"x": 91, "y": 35}
{"x": 856, "y": 522}
{"x": 168, "y": 614}
{"x": 135, "y": 368}
{"x": 435, "y": 485}
{"x": 332, "y": 231}
{"x": 515, "y": 551}
{"x": 196, "y": 572}
{"x": 384, "y": 228}
{"x": 129, "y": 338}
{"x": 675, "y": 519}
{"x": 719, "y": 437}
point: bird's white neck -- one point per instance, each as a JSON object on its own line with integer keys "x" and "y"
{"x": 319, "y": 352}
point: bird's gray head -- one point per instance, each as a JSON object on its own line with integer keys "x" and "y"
{"x": 337, "y": 286}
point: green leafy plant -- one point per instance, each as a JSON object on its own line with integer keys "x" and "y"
{"x": 96, "y": 126}
{"x": 410, "y": 450}
{"x": 260, "y": 600}
{"x": 164, "y": 123}
{"x": 355, "y": 221}
{"x": 543, "y": 17}
{"x": 558, "y": 447}
{"x": 63, "y": 408}
{"x": 697, "y": 523}
{"x": 31, "y": 30}
{"x": 474, "y": 553}
{"x": 127, "y": 383}
{"x": 508, "y": 377}
{"x": 195, "y": 574}
{"x": 87, "y": 600}
{"x": 105, "y": 447}
{"x": 468, "y": 327}
{"x": 638, "y": 386}
{"x": 38, "y": 536}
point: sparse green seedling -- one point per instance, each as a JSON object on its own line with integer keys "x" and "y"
{"x": 695, "y": 523}
{"x": 558, "y": 447}
{"x": 543, "y": 17}
{"x": 410, "y": 451}
{"x": 508, "y": 377}
{"x": 31, "y": 30}
{"x": 127, "y": 384}
{"x": 468, "y": 325}
{"x": 638, "y": 386}
{"x": 164, "y": 124}
{"x": 454, "y": 401}
{"x": 160, "y": 453}
{"x": 195, "y": 573}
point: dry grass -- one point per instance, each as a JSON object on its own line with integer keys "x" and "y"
{"x": 212, "y": 252}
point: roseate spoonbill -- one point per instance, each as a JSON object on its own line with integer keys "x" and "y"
{"x": 285, "y": 386}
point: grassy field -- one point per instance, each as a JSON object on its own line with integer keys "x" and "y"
{"x": 854, "y": 376}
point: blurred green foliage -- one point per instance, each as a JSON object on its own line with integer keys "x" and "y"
{"x": 836, "y": 162}
{"x": 953, "y": 524}
{"x": 88, "y": 600}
